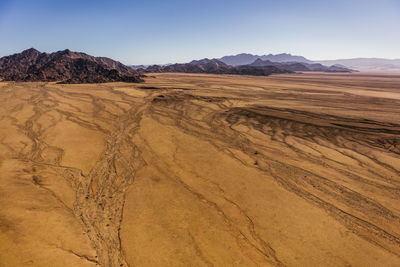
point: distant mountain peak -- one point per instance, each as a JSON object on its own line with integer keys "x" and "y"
{"x": 259, "y": 61}
{"x": 30, "y": 51}
{"x": 281, "y": 54}
{"x": 65, "y": 52}
{"x": 200, "y": 61}
{"x": 206, "y": 61}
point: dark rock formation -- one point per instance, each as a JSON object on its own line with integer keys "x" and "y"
{"x": 65, "y": 67}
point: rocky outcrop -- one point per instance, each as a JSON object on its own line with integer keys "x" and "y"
{"x": 64, "y": 67}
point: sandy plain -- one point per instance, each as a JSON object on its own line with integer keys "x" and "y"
{"x": 202, "y": 170}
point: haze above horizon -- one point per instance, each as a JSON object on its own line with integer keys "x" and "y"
{"x": 138, "y": 32}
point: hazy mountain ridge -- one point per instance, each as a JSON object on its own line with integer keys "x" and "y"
{"x": 298, "y": 66}
{"x": 64, "y": 66}
{"x": 245, "y": 59}
{"x": 367, "y": 64}
{"x": 359, "y": 64}
{"x": 135, "y": 67}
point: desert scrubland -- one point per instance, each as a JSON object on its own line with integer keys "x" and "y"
{"x": 202, "y": 170}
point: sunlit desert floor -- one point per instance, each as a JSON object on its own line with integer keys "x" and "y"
{"x": 202, "y": 170}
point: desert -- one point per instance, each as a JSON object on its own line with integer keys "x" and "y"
{"x": 202, "y": 170}
{"x": 199, "y": 133}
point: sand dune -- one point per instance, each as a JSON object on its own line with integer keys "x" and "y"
{"x": 202, "y": 170}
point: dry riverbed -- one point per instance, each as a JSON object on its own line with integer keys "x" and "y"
{"x": 202, "y": 170}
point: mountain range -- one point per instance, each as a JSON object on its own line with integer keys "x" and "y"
{"x": 257, "y": 68}
{"x": 300, "y": 66}
{"x": 64, "y": 67}
{"x": 245, "y": 59}
{"x": 75, "y": 67}
{"x": 359, "y": 64}
{"x": 214, "y": 66}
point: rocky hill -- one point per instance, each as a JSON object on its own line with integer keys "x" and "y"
{"x": 65, "y": 67}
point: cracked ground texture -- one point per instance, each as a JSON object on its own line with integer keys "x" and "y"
{"x": 202, "y": 170}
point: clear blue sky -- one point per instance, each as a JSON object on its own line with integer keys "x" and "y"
{"x": 163, "y": 31}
